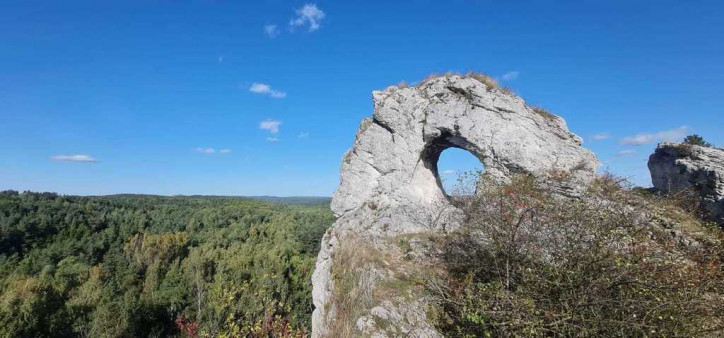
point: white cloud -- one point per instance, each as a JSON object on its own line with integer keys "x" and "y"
{"x": 271, "y": 31}
{"x": 308, "y": 15}
{"x": 271, "y": 125}
{"x": 202, "y": 150}
{"x": 667, "y": 135}
{"x": 74, "y": 158}
{"x": 601, "y": 136}
{"x": 448, "y": 172}
{"x": 260, "y": 88}
{"x": 225, "y": 151}
{"x": 265, "y": 89}
{"x": 625, "y": 153}
{"x": 510, "y": 76}
{"x": 221, "y": 59}
{"x": 303, "y": 135}
{"x": 272, "y": 139}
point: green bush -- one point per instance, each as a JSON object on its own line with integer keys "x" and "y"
{"x": 696, "y": 140}
{"x": 531, "y": 263}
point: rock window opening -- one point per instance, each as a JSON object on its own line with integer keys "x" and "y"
{"x": 458, "y": 171}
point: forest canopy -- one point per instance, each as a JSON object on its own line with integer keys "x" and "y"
{"x": 138, "y": 266}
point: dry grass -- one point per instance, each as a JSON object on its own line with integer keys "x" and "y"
{"x": 483, "y": 78}
{"x": 488, "y": 81}
{"x": 402, "y": 85}
{"x": 351, "y": 297}
{"x": 543, "y": 112}
{"x": 436, "y": 75}
{"x": 365, "y": 276}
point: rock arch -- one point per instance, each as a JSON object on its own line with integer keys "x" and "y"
{"x": 392, "y": 162}
{"x": 390, "y": 174}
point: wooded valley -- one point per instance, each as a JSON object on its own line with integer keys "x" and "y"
{"x": 155, "y": 266}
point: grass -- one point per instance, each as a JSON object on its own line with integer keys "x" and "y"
{"x": 490, "y": 83}
{"x": 365, "y": 276}
{"x": 350, "y": 298}
{"x": 543, "y": 112}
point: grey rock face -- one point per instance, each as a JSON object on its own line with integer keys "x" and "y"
{"x": 675, "y": 167}
{"x": 389, "y": 179}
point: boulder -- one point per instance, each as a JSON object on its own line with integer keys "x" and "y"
{"x": 675, "y": 167}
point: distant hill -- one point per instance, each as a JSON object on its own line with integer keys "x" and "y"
{"x": 289, "y": 200}
{"x": 293, "y": 200}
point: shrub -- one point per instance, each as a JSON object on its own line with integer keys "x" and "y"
{"x": 531, "y": 263}
{"x": 684, "y": 149}
{"x": 697, "y": 140}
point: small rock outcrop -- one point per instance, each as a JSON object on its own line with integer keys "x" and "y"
{"x": 675, "y": 167}
{"x": 390, "y": 187}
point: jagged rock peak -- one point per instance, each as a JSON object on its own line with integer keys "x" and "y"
{"x": 675, "y": 167}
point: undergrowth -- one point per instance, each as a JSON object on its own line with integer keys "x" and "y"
{"x": 530, "y": 263}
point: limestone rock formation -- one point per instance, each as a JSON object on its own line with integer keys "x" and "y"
{"x": 675, "y": 167}
{"x": 390, "y": 186}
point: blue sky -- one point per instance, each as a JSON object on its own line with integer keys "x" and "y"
{"x": 102, "y": 97}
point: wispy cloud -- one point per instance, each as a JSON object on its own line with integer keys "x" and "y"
{"x": 265, "y": 89}
{"x": 271, "y": 31}
{"x": 211, "y": 151}
{"x": 303, "y": 135}
{"x": 667, "y": 135}
{"x": 272, "y": 139}
{"x": 202, "y": 150}
{"x": 308, "y": 15}
{"x": 447, "y": 172}
{"x": 510, "y": 76}
{"x": 221, "y": 58}
{"x": 74, "y": 158}
{"x": 601, "y": 136}
{"x": 271, "y": 125}
{"x": 625, "y": 153}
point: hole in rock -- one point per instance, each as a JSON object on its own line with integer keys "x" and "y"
{"x": 459, "y": 171}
